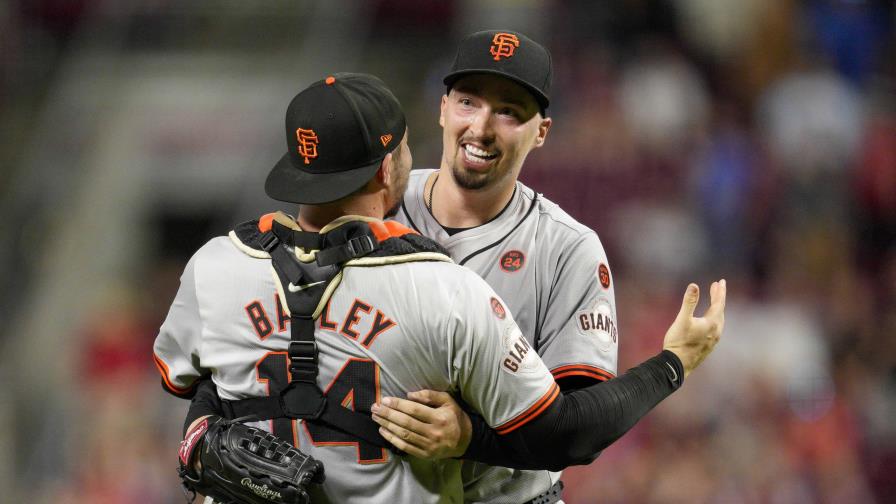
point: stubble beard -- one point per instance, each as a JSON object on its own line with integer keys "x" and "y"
{"x": 475, "y": 181}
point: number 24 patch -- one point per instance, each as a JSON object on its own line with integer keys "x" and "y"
{"x": 512, "y": 261}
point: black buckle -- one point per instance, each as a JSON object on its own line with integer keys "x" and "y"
{"x": 306, "y": 351}
{"x": 303, "y": 360}
{"x": 360, "y": 245}
{"x": 354, "y": 248}
{"x": 269, "y": 241}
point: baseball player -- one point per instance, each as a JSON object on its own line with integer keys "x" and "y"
{"x": 391, "y": 314}
{"x": 539, "y": 431}
{"x": 552, "y": 271}
{"x": 379, "y": 333}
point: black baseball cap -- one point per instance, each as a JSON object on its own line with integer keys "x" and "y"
{"x": 506, "y": 53}
{"x": 338, "y": 130}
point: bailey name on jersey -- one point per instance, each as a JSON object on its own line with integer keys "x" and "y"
{"x": 359, "y": 310}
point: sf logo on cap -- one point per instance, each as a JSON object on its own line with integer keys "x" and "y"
{"x": 307, "y": 144}
{"x": 503, "y": 45}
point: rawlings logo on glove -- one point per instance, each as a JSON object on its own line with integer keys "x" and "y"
{"x": 262, "y": 490}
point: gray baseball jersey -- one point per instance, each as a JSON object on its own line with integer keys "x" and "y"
{"x": 387, "y": 330}
{"x": 554, "y": 275}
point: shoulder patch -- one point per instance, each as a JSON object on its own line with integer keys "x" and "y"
{"x": 603, "y": 274}
{"x": 597, "y": 322}
{"x": 512, "y": 261}
{"x": 518, "y": 355}
{"x": 498, "y": 308}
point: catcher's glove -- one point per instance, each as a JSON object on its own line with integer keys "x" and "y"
{"x": 241, "y": 464}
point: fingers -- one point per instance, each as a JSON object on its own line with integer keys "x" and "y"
{"x": 405, "y": 434}
{"x": 717, "y": 297}
{"x": 406, "y": 414}
{"x": 689, "y": 303}
{"x": 412, "y": 409}
{"x": 721, "y": 294}
{"x": 430, "y": 398}
{"x": 401, "y": 427}
{"x": 400, "y": 443}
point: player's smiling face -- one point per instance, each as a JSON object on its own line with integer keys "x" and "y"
{"x": 489, "y": 126}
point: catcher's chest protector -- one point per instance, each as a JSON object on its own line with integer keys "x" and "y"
{"x": 307, "y": 269}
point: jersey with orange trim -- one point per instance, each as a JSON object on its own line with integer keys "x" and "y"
{"x": 387, "y": 330}
{"x": 554, "y": 275}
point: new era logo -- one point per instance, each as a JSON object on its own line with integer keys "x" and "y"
{"x": 386, "y": 139}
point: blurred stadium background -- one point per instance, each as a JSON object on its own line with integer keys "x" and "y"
{"x": 750, "y": 139}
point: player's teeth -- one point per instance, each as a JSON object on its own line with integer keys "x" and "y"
{"x": 477, "y": 152}
{"x": 474, "y": 158}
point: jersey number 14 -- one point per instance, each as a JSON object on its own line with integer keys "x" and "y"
{"x": 356, "y": 387}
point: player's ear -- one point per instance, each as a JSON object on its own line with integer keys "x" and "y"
{"x": 442, "y": 110}
{"x": 384, "y": 174}
{"x": 543, "y": 127}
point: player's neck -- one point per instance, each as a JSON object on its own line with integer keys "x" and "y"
{"x": 456, "y": 207}
{"x": 315, "y": 217}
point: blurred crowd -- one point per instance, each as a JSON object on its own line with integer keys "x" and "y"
{"x": 753, "y": 140}
{"x": 759, "y": 144}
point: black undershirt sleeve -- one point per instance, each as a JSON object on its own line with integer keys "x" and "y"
{"x": 205, "y": 402}
{"x": 570, "y": 383}
{"x": 580, "y": 423}
{"x": 572, "y": 431}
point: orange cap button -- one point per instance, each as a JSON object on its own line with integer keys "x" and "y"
{"x": 330, "y": 80}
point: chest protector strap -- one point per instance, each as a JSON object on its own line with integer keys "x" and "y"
{"x": 305, "y": 283}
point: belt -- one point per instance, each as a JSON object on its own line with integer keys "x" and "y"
{"x": 549, "y": 497}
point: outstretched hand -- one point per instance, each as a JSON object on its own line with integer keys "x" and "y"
{"x": 693, "y": 338}
{"x": 428, "y": 424}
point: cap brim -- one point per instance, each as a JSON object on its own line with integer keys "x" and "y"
{"x": 286, "y": 183}
{"x": 541, "y": 98}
